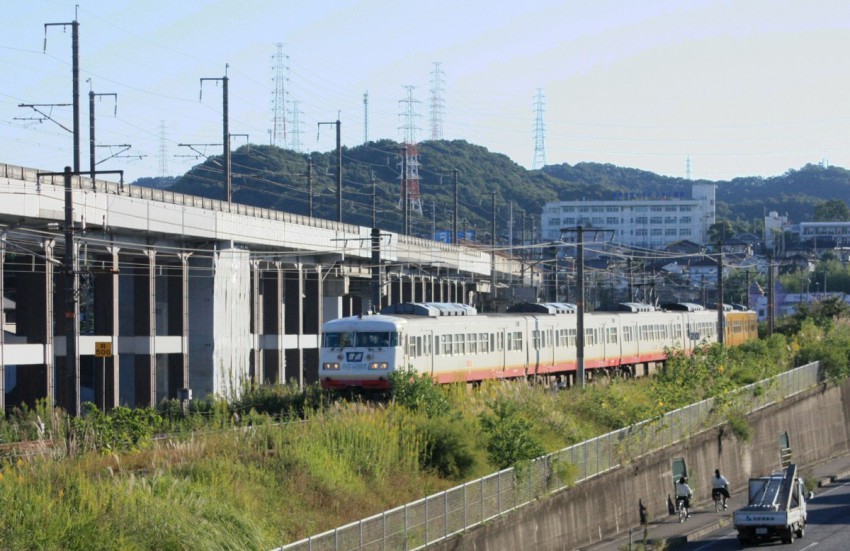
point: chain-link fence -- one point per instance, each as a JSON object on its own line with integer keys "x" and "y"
{"x": 418, "y": 524}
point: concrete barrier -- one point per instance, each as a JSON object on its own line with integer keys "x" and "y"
{"x": 816, "y": 424}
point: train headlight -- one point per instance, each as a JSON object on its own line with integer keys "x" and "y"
{"x": 334, "y": 366}
{"x": 378, "y": 365}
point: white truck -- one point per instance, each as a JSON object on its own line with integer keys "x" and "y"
{"x": 776, "y": 508}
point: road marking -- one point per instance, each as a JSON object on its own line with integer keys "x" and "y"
{"x": 831, "y": 489}
{"x": 724, "y": 537}
{"x": 809, "y": 546}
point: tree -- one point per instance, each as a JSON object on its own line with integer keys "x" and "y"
{"x": 832, "y": 210}
{"x": 720, "y": 231}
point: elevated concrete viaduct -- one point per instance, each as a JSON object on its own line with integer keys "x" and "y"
{"x": 172, "y": 292}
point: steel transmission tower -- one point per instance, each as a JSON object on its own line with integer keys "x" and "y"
{"x": 409, "y": 169}
{"x": 163, "y": 150}
{"x": 438, "y": 104}
{"x": 539, "y": 131}
{"x": 280, "y": 79}
{"x": 366, "y": 116}
{"x": 295, "y": 128}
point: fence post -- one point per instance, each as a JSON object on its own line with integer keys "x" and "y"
{"x": 464, "y": 507}
{"x": 446, "y": 514}
{"x": 498, "y": 494}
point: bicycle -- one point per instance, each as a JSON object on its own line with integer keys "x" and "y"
{"x": 718, "y": 501}
{"x": 684, "y": 514}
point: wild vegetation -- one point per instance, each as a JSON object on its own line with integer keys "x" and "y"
{"x": 282, "y": 464}
{"x": 267, "y": 176}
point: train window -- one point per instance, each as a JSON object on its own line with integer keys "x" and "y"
{"x": 611, "y": 335}
{"x": 484, "y": 342}
{"x": 447, "y": 345}
{"x": 437, "y": 349}
{"x": 374, "y": 339}
{"x": 337, "y": 340}
{"x": 628, "y": 333}
{"x": 472, "y": 343}
{"x": 460, "y": 344}
{"x": 426, "y": 346}
{"x": 500, "y": 341}
{"x": 515, "y": 340}
{"x": 535, "y": 339}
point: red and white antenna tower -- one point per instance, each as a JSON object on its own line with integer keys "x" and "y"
{"x": 411, "y": 152}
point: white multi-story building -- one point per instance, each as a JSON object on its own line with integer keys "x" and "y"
{"x": 650, "y": 222}
{"x": 774, "y": 226}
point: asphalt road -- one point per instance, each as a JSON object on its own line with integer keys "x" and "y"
{"x": 828, "y": 526}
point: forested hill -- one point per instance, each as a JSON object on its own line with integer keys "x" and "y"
{"x": 277, "y": 178}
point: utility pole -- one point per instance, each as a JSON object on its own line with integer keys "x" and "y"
{"x": 310, "y": 187}
{"x": 721, "y": 326}
{"x": 404, "y": 200}
{"x": 376, "y": 269}
{"x": 75, "y": 78}
{"x": 72, "y": 367}
{"x": 338, "y": 168}
{"x": 771, "y": 296}
{"x": 92, "y": 162}
{"x": 454, "y": 216}
{"x": 225, "y": 127}
{"x": 374, "y": 202}
{"x": 580, "y": 298}
{"x": 493, "y": 252}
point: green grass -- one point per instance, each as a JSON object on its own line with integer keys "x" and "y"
{"x": 282, "y": 465}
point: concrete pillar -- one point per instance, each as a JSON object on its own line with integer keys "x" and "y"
{"x": 257, "y": 371}
{"x": 144, "y": 300}
{"x": 2, "y": 323}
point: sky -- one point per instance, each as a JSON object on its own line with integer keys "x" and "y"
{"x": 703, "y": 88}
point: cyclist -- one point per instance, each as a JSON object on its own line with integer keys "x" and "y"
{"x": 684, "y": 493}
{"x": 719, "y": 485}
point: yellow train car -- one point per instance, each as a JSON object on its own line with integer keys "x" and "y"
{"x": 741, "y": 326}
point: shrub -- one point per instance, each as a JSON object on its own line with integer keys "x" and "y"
{"x": 740, "y": 426}
{"x": 418, "y": 392}
{"x": 448, "y": 447}
{"x": 510, "y": 438}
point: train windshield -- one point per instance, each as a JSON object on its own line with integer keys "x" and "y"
{"x": 341, "y": 339}
{"x": 377, "y": 338}
{"x": 337, "y": 339}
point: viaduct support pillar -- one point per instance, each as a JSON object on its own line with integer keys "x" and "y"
{"x": 144, "y": 326}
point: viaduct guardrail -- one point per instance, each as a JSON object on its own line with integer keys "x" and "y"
{"x": 437, "y": 517}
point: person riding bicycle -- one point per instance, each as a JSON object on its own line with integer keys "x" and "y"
{"x": 684, "y": 493}
{"x": 719, "y": 485}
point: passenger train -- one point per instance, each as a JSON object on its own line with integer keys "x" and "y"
{"x": 454, "y": 343}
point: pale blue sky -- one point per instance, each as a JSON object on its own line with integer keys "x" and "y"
{"x": 743, "y": 88}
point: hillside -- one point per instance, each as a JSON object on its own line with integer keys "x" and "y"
{"x": 277, "y": 178}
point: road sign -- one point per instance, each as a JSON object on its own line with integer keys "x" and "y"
{"x": 103, "y": 349}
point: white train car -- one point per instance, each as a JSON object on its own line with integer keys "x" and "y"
{"x": 452, "y": 343}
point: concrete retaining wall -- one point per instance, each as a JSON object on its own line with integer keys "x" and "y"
{"x": 817, "y": 426}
